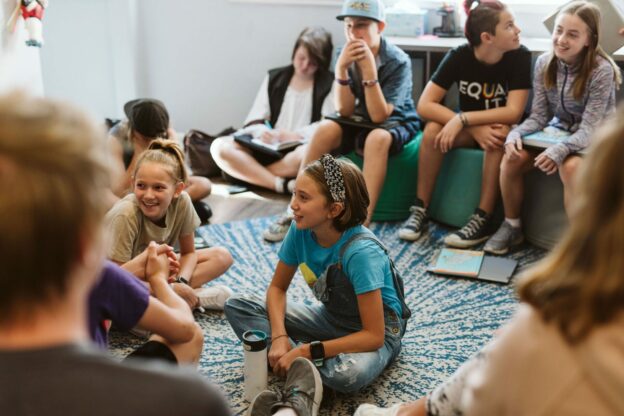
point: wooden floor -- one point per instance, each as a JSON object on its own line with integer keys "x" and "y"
{"x": 251, "y": 204}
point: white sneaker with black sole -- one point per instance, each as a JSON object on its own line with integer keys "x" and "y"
{"x": 474, "y": 232}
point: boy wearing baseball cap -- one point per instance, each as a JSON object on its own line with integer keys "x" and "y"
{"x": 373, "y": 81}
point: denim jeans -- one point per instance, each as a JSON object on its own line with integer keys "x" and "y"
{"x": 346, "y": 373}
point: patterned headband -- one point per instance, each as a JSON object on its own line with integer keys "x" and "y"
{"x": 333, "y": 178}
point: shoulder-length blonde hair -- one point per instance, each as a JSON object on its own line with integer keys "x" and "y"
{"x": 580, "y": 285}
{"x": 590, "y": 15}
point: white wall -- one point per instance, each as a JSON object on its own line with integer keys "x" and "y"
{"x": 19, "y": 64}
{"x": 83, "y": 52}
{"x": 204, "y": 58}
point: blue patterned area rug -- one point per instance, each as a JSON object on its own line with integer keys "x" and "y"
{"x": 452, "y": 318}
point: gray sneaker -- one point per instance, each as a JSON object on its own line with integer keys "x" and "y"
{"x": 506, "y": 237}
{"x": 277, "y": 231}
{"x": 303, "y": 390}
{"x": 474, "y": 232}
{"x": 412, "y": 228}
{"x": 263, "y": 404}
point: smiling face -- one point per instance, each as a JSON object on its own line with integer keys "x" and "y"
{"x": 155, "y": 188}
{"x": 507, "y": 34}
{"x": 304, "y": 64}
{"x": 570, "y": 37}
{"x": 310, "y": 207}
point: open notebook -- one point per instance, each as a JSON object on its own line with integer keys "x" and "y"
{"x": 473, "y": 264}
{"x": 277, "y": 150}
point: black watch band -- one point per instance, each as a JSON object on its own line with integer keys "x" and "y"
{"x": 181, "y": 279}
{"x": 317, "y": 352}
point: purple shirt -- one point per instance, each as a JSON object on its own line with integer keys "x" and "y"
{"x": 118, "y": 296}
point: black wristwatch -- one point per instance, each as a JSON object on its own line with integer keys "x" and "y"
{"x": 317, "y": 351}
{"x": 180, "y": 279}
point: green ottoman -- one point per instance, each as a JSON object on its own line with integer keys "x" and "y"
{"x": 458, "y": 187}
{"x": 399, "y": 190}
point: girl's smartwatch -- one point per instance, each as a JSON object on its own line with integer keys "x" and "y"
{"x": 317, "y": 352}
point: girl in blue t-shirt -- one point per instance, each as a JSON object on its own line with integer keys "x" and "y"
{"x": 356, "y": 330}
{"x": 492, "y": 73}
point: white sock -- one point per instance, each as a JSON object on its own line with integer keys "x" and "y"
{"x": 279, "y": 185}
{"x": 514, "y": 222}
{"x": 285, "y": 411}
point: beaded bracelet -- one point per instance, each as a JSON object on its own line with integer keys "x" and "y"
{"x": 463, "y": 119}
{"x": 369, "y": 82}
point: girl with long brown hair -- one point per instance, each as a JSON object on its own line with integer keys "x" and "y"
{"x": 574, "y": 90}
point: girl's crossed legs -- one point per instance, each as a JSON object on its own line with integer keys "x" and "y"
{"x": 346, "y": 373}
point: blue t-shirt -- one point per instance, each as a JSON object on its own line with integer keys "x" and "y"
{"x": 118, "y": 296}
{"x": 394, "y": 71}
{"x": 364, "y": 262}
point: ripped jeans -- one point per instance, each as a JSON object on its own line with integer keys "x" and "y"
{"x": 346, "y": 373}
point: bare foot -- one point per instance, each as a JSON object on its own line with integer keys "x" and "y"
{"x": 415, "y": 408}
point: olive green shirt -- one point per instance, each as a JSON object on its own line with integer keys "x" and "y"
{"x": 131, "y": 231}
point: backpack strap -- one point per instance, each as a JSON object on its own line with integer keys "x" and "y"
{"x": 396, "y": 277}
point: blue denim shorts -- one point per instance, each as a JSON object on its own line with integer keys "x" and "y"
{"x": 353, "y": 138}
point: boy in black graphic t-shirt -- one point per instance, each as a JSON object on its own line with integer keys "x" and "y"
{"x": 482, "y": 86}
{"x": 493, "y": 75}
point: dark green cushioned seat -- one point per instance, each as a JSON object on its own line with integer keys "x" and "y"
{"x": 399, "y": 190}
{"x": 458, "y": 187}
{"x": 457, "y": 192}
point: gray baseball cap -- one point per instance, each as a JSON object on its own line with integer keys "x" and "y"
{"x": 369, "y": 9}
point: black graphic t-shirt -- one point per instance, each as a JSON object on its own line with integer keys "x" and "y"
{"x": 482, "y": 86}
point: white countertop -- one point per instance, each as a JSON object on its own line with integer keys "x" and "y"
{"x": 429, "y": 43}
